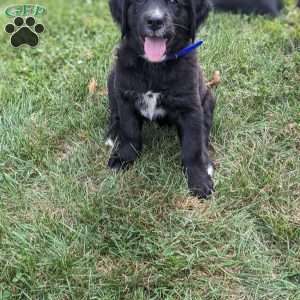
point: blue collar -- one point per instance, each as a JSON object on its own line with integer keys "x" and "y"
{"x": 183, "y": 52}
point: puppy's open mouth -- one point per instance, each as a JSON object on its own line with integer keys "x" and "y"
{"x": 155, "y": 48}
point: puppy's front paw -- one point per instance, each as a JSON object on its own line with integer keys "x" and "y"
{"x": 123, "y": 156}
{"x": 201, "y": 186}
{"x": 117, "y": 164}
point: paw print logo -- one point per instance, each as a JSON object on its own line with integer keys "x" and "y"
{"x": 24, "y": 32}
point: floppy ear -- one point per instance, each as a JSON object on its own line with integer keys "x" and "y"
{"x": 199, "y": 12}
{"x": 192, "y": 7}
{"x": 118, "y": 9}
{"x": 124, "y": 17}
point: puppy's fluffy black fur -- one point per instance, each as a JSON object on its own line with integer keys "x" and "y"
{"x": 178, "y": 85}
{"x": 263, "y": 7}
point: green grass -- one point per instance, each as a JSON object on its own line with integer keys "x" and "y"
{"x": 70, "y": 229}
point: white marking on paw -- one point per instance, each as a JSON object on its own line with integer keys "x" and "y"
{"x": 149, "y": 106}
{"x": 110, "y": 143}
{"x": 210, "y": 170}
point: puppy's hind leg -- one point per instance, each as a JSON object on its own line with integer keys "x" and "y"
{"x": 113, "y": 130}
{"x": 208, "y": 105}
{"x": 114, "y": 119}
{"x": 194, "y": 153}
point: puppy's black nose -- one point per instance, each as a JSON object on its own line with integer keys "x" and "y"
{"x": 155, "y": 22}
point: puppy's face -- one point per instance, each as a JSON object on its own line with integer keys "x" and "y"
{"x": 156, "y": 28}
{"x": 157, "y": 23}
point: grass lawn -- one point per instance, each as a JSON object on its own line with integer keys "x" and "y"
{"x": 70, "y": 229}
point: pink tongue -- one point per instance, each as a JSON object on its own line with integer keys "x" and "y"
{"x": 155, "y": 49}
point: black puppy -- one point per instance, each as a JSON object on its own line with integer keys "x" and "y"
{"x": 149, "y": 83}
{"x": 263, "y": 7}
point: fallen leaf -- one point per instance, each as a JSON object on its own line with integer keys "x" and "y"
{"x": 216, "y": 80}
{"x": 92, "y": 87}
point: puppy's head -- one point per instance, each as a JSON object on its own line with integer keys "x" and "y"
{"x": 156, "y": 28}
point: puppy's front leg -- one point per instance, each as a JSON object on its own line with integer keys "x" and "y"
{"x": 194, "y": 153}
{"x": 129, "y": 143}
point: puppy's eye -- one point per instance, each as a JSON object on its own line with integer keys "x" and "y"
{"x": 172, "y": 1}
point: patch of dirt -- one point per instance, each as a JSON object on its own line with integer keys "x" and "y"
{"x": 65, "y": 152}
{"x": 191, "y": 203}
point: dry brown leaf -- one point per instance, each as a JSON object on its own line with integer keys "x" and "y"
{"x": 216, "y": 80}
{"x": 92, "y": 87}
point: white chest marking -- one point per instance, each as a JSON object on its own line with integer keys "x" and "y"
{"x": 148, "y": 107}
